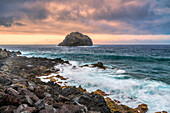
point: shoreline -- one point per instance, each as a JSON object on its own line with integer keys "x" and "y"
{"x": 21, "y": 90}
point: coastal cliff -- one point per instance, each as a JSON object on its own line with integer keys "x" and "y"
{"x": 76, "y": 39}
{"x": 21, "y": 90}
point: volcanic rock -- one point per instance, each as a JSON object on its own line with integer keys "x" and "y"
{"x": 3, "y": 54}
{"x": 7, "y": 109}
{"x": 71, "y": 109}
{"x": 76, "y": 39}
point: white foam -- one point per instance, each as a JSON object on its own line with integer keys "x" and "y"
{"x": 58, "y": 80}
{"x": 119, "y": 71}
{"x": 129, "y": 91}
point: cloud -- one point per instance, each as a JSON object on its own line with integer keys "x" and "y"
{"x": 125, "y": 11}
{"x": 89, "y": 16}
{"x": 7, "y": 22}
{"x": 19, "y": 24}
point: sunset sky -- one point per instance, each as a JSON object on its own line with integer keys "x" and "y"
{"x": 105, "y": 21}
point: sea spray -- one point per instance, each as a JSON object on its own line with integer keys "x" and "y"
{"x": 120, "y": 86}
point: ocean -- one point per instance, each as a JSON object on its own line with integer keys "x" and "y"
{"x": 141, "y": 73}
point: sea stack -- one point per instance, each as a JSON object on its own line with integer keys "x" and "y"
{"x": 76, "y": 39}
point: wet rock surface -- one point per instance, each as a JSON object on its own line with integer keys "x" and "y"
{"x": 96, "y": 65}
{"x": 22, "y": 92}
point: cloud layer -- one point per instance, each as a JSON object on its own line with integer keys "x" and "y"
{"x": 90, "y": 16}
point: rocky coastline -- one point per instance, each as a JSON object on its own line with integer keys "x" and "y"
{"x": 21, "y": 91}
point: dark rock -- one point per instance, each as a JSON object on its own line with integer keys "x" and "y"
{"x": 47, "y": 94}
{"x": 7, "y": 109}
{"x": 99, "y": 65}
{"x": 31, "y": 85}
{"x": 48, "y": 109}
{"x": 49, "y": 100}
{"x": 1, "y": 64}
{"x": 71, "y": 92}
{"x": 24, "y": 108}
{"x": 2, "y": 88}
{"x": 17, "y": 86}
{"x": 58, "y": 104}
{"x": 28, "y": 100}
{"x": 20, "y": 108}
{"x": 52, "y": 88}
{"x": 6, "y": 99}
{"x": 18, "y": 53}
{"x": 94, "y": 102}
{"x": 49, "y": 87}
{"x": 76, "y": 39}
{"x": 70, "y": 108}
{"x": 39, "y": 92}
{"x": 3, "y": 54}
{"x": 26, "y": 92}
{"x": 117, "y": 112}
{"x": 93, "y": 112}
{"x": 12, "y": 54}
{"x": 62, "y": 98}
{"x": 5, "y": 81}
{"x": 12, "y": 91}
{"x": 39, "y": 104}
{"x": 45, "y": 111}
{"x": 29, "y": 110}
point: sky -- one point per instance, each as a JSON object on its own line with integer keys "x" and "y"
{"x": 105, "y": 21}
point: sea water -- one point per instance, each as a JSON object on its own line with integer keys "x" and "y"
{"x": 140, "y": 73}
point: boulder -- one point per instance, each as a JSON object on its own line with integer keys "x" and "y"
{"x": 76, "y": 39}
{"x": 12, "y": 92}
{"x": 40, "y": 104}
{"x": 93, "y": 102}
{"x": 7, "y": 109}
{"x": 143, "y": 108}
{"x": 70, "y": 92}
{"x": 3, "y": 54}
{"x": 31, "y": 85}
{"x": 2, "y": 88}
{"x": 32, "y": 96}
{"x": 6, "y": 99}
{"x": 28, "y": 100}
{"x": 99, "y": 65}
{"x": 62, "y": 98}
{"x": 20, "y": 108}
{"x": 96, "y": 65}
{"x": 24, "y": 108}
{"x": 70, "y": 108}
{"x": 49, "y": 101}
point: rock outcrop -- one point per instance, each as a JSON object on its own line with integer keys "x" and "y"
{"x": 76, "y": 39}
{"x": 96, "y": 65}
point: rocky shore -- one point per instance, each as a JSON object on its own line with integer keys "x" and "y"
{"x": 21, "y": 91}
